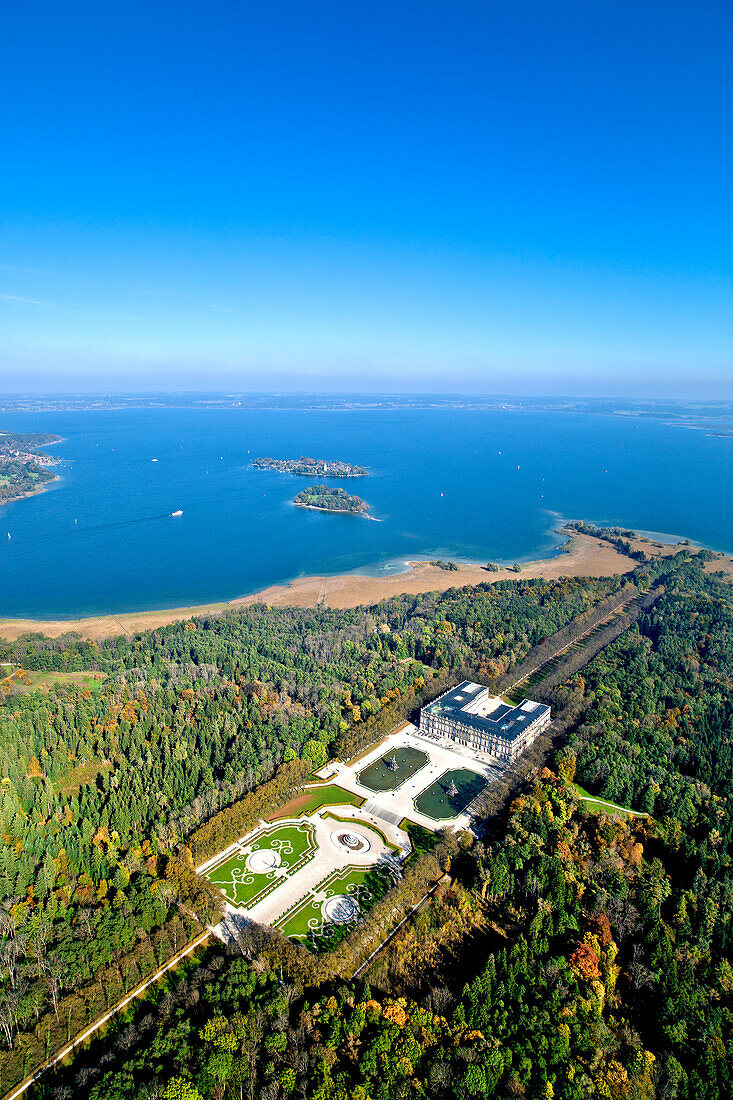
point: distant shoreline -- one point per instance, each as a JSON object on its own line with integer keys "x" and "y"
{"x": 582, "y": 555}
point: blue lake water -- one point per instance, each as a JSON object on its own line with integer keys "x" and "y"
{"x": 476, "y": 485}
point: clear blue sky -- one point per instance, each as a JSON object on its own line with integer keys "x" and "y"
{"x": 498, "y": 195}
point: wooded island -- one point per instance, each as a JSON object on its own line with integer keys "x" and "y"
{"x": 329, "y": 499}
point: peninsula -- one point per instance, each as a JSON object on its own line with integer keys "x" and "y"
{"x": 311, "y": 467}
{"x": 328, "y": 499}
{"x": 24, "y": 470}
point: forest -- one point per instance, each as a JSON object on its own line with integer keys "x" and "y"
{"x": 564, "y": 954}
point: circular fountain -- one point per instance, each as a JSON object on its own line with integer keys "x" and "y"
{"x": 340, "y": 909}
{"x": 351, "y": 840}
{"x": 263, "y": 860}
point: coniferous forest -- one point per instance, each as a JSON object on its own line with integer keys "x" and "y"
{"x": 565, "y": 951}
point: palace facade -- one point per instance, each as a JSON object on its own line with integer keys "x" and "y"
{"x": 469, "y": 715}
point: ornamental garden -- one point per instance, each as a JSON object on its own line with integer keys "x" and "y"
{"x": 314, "y": 876}
{"x": 262, "y": 863}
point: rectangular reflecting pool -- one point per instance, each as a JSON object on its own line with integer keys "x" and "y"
{"x": 450, "y": 795}
{"x": 394, "y": 768}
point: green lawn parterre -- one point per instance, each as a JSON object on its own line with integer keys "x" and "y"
{"x": 305, "y": 921}
{"x": 294, "y": 843}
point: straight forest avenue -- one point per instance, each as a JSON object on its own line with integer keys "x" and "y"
{"x": 121, "y": 1005}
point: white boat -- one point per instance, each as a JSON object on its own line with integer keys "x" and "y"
{"x": 178, "y": 513}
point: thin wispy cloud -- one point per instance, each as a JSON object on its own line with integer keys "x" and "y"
{"x": 176, "y": 294}
{"x": 22, "y": 301}
{"x": 67, "y": 307}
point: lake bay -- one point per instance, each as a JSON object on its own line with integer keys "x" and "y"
{"x": 452, "y": 483}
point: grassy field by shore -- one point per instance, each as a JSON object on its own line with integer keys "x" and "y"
{"x": 583, "y": 555}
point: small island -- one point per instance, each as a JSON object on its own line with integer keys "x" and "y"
{"x": 23, "y": 469}
{"x": 311, "y": 467}
{"x": 328, "y": 499}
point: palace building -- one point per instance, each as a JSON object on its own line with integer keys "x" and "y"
{"x": 469, "y": 715}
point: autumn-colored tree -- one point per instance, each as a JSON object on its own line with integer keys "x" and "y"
{"x": 584, "y": 962}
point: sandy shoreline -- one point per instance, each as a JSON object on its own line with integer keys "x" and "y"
{"x": 331, "y": 511}
{"x": 582, "y": 556}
